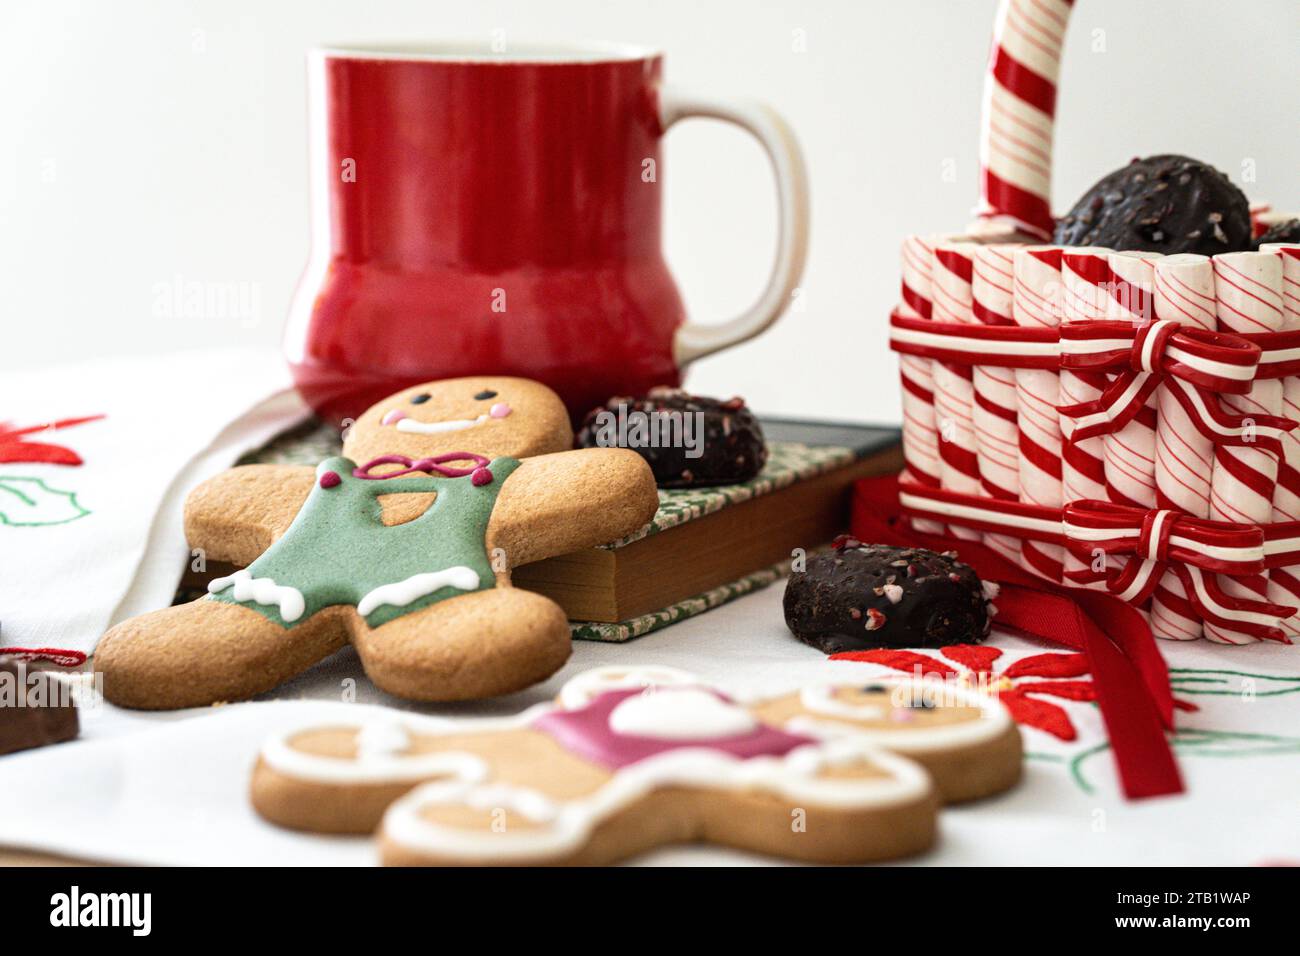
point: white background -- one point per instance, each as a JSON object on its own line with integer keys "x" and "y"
{"x": 145, "y": 143}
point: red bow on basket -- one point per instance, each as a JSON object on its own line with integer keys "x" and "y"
{"x": 1161, "y": 540}
{"x": 1195, "y": 365}
{"x": 1130, "y": 676}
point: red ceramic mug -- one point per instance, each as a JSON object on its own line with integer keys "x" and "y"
{"x": 481, "y": 212}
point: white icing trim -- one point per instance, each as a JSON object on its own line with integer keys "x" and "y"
{"x": 681, "y": 713}
{"x": 792, "y": 777}
{"x": 402, "y": 593}
{"x": 821, "y": 698}
{"x": 262, "y": 591}
{"x": 369, "y": 766}
{"x": 909, "y": 739}
{"x": 382, "y": 738}
{"x": 416, "y": 427}
{"x": 582, "y": 689}
{"x": 533, "y": 804}
{"x": 279, "y": 754}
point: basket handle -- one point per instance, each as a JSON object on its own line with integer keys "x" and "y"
{"x": 1019, "y": 114}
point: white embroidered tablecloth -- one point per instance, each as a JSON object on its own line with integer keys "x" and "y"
{"x": 171, "y": 788}
{"x": 95, "y": 461}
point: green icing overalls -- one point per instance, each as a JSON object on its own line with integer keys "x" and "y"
{"x": 338, "y": 551}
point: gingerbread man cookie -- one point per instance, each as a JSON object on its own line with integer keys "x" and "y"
{"x": 402, "y": 546}
{"x": 633, "y": 758}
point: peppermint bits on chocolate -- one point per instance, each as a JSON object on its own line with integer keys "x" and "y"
{"x": 689, "y": 441}
{"x": 859, "y": 596}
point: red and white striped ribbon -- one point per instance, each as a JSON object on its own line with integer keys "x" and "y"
{"x": 952, "y": 301}
{"x": 1157, "y": 541}
{"x": 1019, "y": 105}
{"x": 1248, "y": 299}
{"x": 1205, "y": 556}
{"x": 1196, "y": 365}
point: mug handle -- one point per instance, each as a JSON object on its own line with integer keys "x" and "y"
{"x": 694, "y": 340}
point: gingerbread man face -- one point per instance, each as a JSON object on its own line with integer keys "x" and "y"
{"x": 492, "y": 416}
{"x": 403, "y": 547}
{"x": 633, "y": 758}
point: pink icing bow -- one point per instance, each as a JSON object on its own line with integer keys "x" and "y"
{"x": 479, "y": 474}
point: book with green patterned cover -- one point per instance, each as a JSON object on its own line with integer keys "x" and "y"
{"x": 705, "y": 546}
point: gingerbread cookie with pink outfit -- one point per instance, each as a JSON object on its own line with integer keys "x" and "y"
{"x": 633, "y": 758}
{"x": 402, "y": 546}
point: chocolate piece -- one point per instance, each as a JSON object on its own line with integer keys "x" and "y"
{"x": 859, "y": 596}
{"x": 1287, "y": 231}
{"x": 708, "y": 442}
{"x": 35, "y": 709}
{"x": 1166, "y": 204}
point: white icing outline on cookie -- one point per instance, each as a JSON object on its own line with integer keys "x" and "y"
{"x": 992, "y": 722}
{"x": 279, "y": 754}
{"x": 821, "y": 698}
{"x": 581, "y": 690}
{"x": 681, "y": 713}
{"x": 530, "y": 803}
{"x": 792, "y": 776}
{"x": 382, "y": 738}
{"x": 402, "y": 593}
{"x": 562, "y": 827}
{"x": 262, "y": 591}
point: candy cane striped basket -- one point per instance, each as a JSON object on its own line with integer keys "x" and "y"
{"x": 1106, "y": 419}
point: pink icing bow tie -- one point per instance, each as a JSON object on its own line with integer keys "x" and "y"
{"x": 479, "y": 474}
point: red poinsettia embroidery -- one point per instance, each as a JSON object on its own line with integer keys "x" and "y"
{"x": 1014, "y": 686}
{"x": 13, "y": 447}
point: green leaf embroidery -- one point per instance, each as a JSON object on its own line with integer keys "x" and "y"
{"x": 30, "y": 502}
{"x": 1228, "y": 683}
{"x": 1200, "y": 743}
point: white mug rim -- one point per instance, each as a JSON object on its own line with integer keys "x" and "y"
{"x": 477, "y": 52}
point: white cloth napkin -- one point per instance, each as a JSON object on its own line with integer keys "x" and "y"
{"x": 85, "y": 544}
{"x": 134, "y": 791}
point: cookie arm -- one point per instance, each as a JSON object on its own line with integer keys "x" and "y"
{"x": 236, "y": 515}
{"x": 558, "y": 503}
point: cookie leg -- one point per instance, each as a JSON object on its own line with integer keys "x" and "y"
{"x": 863, "y": 806}
{"x": 476, "y": 645}
{"x": 208, "y": 651}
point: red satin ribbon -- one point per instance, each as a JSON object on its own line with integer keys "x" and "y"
{"x": 1192, "y": 363}
{"x": 1129, "y": 675}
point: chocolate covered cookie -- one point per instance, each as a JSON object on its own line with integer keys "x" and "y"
{"x": 859, "y": 596}
{"x": 1167, "y": 204}
{"x": 688, "y": 440}
{"x": 35, "y": 709}
{"x": 1285, "y": 231}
